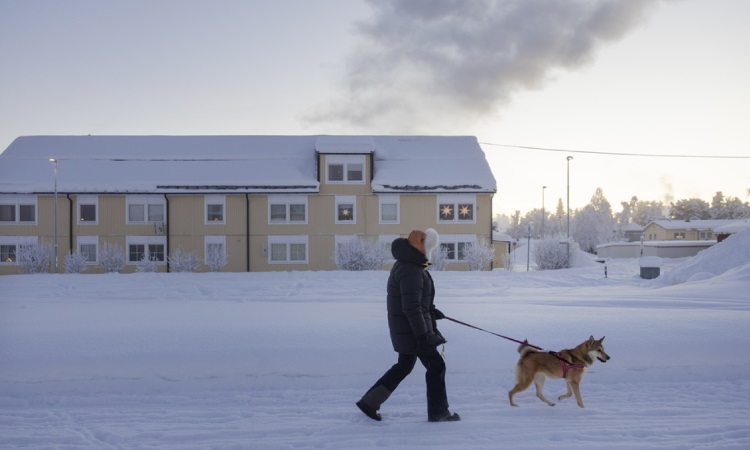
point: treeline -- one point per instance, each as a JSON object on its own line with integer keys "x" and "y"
{"x": 596, "y": 223}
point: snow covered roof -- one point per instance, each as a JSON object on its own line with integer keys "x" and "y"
{"x": 261, "y": 164}
{"x": 691, "y": 224}
{"x": 733, "y": 227}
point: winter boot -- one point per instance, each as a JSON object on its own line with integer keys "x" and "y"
{"x": 371, "y": 401}
{"x": 445, "y": 417}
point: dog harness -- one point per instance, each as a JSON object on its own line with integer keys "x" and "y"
{"x": 565, "y": 365}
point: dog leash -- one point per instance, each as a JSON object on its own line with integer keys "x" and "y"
{"x": 524, "y": 342}
{"x": 495, "y": 334}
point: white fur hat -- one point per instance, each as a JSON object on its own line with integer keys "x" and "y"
{"x": 431, "y": 242}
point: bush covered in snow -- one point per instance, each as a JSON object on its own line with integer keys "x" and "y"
{"x": 551, "y": 254}
{"x": 183, "y": 262}
{"x": 216, "y": 258}
{"x": 112, "y": 257}
{"x": 35, "y": 258}
{"x": 479, "y": 255}
{"x": 362, "y": 254}
{"x": 439, "y": 259}
{"x": 75, "y": 262}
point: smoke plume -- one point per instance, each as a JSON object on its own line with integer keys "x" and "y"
{"x": 423, "y": 64}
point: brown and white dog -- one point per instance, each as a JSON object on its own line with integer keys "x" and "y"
{"x": 534, "y": 366}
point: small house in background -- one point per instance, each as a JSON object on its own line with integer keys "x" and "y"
{"x": 682, "y": 230}
{"x": 501, "y": 243}
{"x": 729, "y": 229}
{"x": 632, "y": 232}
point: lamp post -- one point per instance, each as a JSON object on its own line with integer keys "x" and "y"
{"x": 543, "y": 214}
{"x": 568, "y": 199}
{"x": 54, "y": 161}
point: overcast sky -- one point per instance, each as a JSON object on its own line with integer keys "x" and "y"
{"x": 643, "y": 77}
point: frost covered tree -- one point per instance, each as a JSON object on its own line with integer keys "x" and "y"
{"x": 35, "y": 258}
{"x": 439, "y": 259}
{"x": 183, "y": 262}
{"x": 216, "y": 258}
{"x": 644, "y": 212}
{"x": 550, "y": 254}
{"x": 728, "y": 208}
{"x": 689, "y": 209}
{"x": 75, "y": 262}
{"x": 362, "y": 254}
{"x": 478, "y": 255}
{"x": 594, "y": 224}
{"x": 147, "y": 263}
{"x": 112, "y": 257}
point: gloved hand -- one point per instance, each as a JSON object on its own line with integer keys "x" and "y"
{"x": 437, "y": 314}
{"x": 428, "y": 342}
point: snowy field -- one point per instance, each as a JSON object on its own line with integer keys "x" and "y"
{"x": 277, "y": 360}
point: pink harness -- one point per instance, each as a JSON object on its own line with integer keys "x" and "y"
{"x": 565, "y": 365}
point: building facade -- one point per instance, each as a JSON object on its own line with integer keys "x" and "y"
{"x": 265, "y": 203}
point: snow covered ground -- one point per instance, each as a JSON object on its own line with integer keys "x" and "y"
{"x": 277, "y": 360}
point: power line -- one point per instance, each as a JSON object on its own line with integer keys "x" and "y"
{"x": 560, "y": 150}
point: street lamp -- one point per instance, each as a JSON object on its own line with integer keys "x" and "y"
{"x": 543, "y": 188}
{"x": 568, "y": 200}
{"x": 54, "y": 161}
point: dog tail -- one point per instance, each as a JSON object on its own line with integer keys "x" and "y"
{"x": 525, "y": 348}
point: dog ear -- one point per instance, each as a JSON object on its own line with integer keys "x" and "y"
{"x": 600, "y": 340}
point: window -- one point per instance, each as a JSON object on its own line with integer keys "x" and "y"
{"x": 390, "y": 207}
{"x": 87, "y": 207}
{"x": 145, "y": 209}
{"x": 705, "y": 235}
{"x": 17, "y": 210}
{"x": 9, "y": 246}
{"x": 215, "y": 206}
{"x": 88, "y": 247}
{"x": 215, "y": 250}
{"x": 287, "y": 209}
{"x": 287, "y": 250}
{"x": 346, "y": 209}
{"x": 456, "y": 208}
{"x": 679, "y": 235}
{"x": 345, "y": 169}
{"x": 456, "y": 245}
{"x": 148, "y": 247}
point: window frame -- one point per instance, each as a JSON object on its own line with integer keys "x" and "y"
{"x": 346, "y": 200}
{"x": 89, "y": 240}
{"x": 146, "y": 201}
{"x": 456, "y": 240}
{"x": 16, "y": 202}
{"x": 456, "y": 201}
{"x": 288, "y": 241}
{"x": 215, "y": 200}
{"x": 389, "y": 200}
{"x": 15, "y": 242}
{"x": 287, "y": 201}
{"x": 87, "y": 200}
{"x": 146, "y": 241}
{"x": 346, "y": 161}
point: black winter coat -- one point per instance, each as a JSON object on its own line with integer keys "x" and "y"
{"x": 411, "y": 294}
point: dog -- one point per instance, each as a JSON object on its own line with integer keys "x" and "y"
{"x": 534, "y": 366}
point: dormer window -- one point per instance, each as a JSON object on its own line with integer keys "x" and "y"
{"x": 345, "y": 169}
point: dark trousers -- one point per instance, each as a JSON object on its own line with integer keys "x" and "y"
{"x": 437, "y": 399}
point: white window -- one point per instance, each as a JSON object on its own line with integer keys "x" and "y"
{"x": 88, "y": 207}
{"x": 390, "y": 208}
{"x": 18, "y": 210}
{"x": 9, "y": 246}
{"x": 456, "y": 245}
{"x": 345, "y": 169}
{"x": 457, "y": 208}
{"x": 215, "y": 207}
{"x": 287, "y": 250}
{"x": 343, "y": 240}
{"x": 346, "y": 209}
{"x": 145, "y": 209}
{"x": 88, "y": 246}
{"x": 215, "y": 248}
{"x": 146, "y": 247}
{"x": 287, "y": 209}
